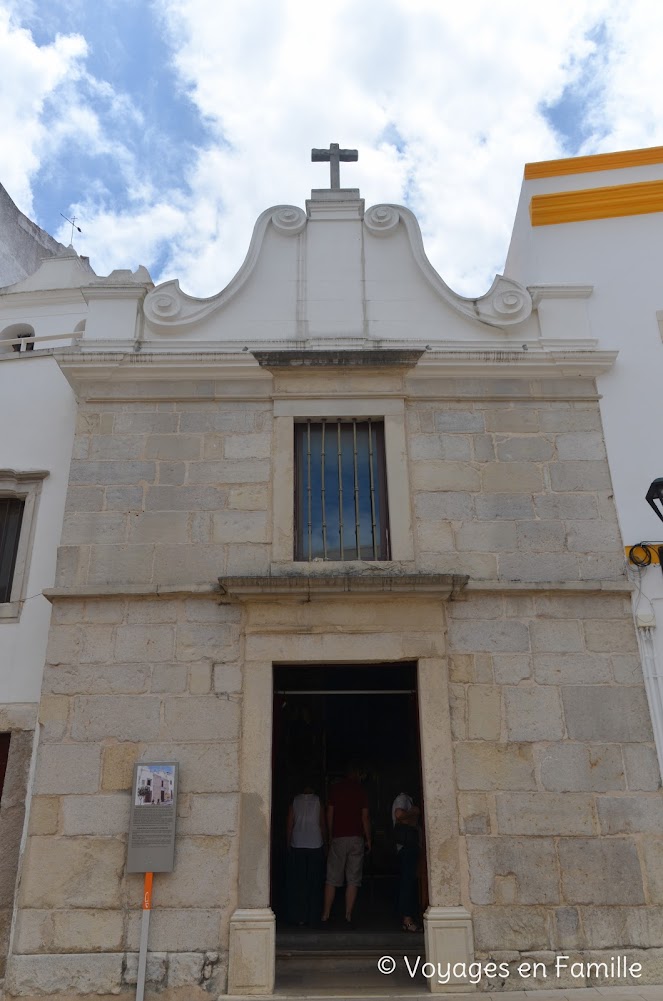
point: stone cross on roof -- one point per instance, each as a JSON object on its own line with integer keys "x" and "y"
{"x": 334, "y": 155}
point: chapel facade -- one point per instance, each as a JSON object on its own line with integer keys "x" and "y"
{"x": 336, "y": 478}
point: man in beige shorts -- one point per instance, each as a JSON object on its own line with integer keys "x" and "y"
{"x": 348, "y": 823}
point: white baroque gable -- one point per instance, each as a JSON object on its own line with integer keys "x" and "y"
{"x": 336, "y": 271}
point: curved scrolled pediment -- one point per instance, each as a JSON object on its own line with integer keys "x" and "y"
{"x": 505, "y": 303}
{"x": 317, "y": 275}
{"x": 170, "y": 310}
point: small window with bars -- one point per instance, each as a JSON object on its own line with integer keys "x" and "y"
{"x": 340, "y": 491}
{"x": 11, "y": 516}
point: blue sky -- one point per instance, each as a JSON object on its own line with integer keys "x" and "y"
{"x": 166, "y": 127}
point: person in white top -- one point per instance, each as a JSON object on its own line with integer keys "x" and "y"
{"x": 306, "y": 834}
{"x": 405, "y": 818}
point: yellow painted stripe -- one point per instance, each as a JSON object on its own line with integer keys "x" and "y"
{"x": 640, "y": 553}
{"x": 596, "y": 203}
{"x": 600, "y": 161}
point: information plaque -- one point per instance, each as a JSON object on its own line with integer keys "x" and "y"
{"x": 153, "y": 814}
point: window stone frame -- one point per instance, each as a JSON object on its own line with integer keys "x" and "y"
{"x": 25, "y": 486}
{"x": 391, "y": 412}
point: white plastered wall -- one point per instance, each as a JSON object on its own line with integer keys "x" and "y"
{"x": 38, "y": 414}
{"x": 621, "y": 259}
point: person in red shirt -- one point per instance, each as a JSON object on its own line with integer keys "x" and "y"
{"x": 349, "y": 825}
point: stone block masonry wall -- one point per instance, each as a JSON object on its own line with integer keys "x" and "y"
{"x": 12, "y": 813}
{"x": 125, "y": 680}
{"x": 516, "y": 489}
{"x": 167, "y": 493}
{"x": 558, "y": 783}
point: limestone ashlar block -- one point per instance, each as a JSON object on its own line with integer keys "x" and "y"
{"x": 117, "y": 564}
{"x": 512, "y": 507}
{"x": 484, "y": 765}
{"x": 248, "y": 446}
{"x": 570, "y": 668}
{"x": 185, "y": 968}
{"x": 79, "y": 930}
{"x": 489, "y": 635}
{"x": 60, "y": 974}
{"x": 459, "y": 421}
{"x": 101, "y": 814}
{"x": 155, "y": 970}
{"x": 580, "y": 445}
{"x": 584, "y": 606}
{"x": 118, "y": 766}
{"x": 197, "y": 641}
{"x": 573, "y": 767}
{"x": 643, "y": 772}
{"x": 606, "y": 636}
{"x": 124, "y": 717}
{"x": 156, "y": 526}
{"x": 541, "y": 536}
{"x": 73, "y": 872}
{"x": 512, "y": 478}
{"x": 556, "y": 636}
{"x": 518, "y": 420}
{"x": 123, "y": 498}
{"x": 539, "y": 813}
{"x": 111, "y": 472}
{"x": 607, "y": 713}
{"x": 513, "y": 870}
{"x": 440, "y": 448}
{"x": 444, "y": 475}
{"x": 533, "y": 713}
{"x": 145, "y": 423}
{"x": 174, "y": 929}
{"x": 169, "y": 678}
{"x": 205, "y": 766}
{"x": 97, "y": 679}
{"x": 204, "y": 874}
{"x": 213, "y": 815}
{"x": 486, "y": 536}
{"x": 538, "y": 567}
{"x": 144, "y": 643}
{"x": 517, "y": 927}
{"x": 205, "y": 717}
{"x": 186, "y": 498}
{"x": 634, "y": 814}
{"x": 173, "y": 446}
{"x": 600, "y": 871}
{"x": 68, "y": 769}
{"x": 569, "y": 933}
{"x": 579, "y": 474}
{"x": 524, "y": 448}
{"x": 44, "y": 814}
{"x": 623, "y": 927}
{"x": 195, "y": 563}
{"x": 81, "y": 527}
{"x": 114, "y": 446}
{"x": 484, "y": 717}
{"x": 570, "y": 419}
{"x": 565, "y": 506}
{"x": 229, "y": 471}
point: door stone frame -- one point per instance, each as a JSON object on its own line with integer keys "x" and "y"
{"x": 326, "y": 625}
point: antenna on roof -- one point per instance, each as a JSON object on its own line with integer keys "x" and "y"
{"x": 73, "y": 226}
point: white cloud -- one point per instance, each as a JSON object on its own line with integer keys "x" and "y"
{"x": 463, "y": 86}
{"x": 29, "y": 75}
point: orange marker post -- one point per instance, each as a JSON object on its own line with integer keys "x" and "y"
{"x": 144, "y": 931}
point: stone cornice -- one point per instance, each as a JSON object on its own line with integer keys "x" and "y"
{"x": 298, "y": 586}
{"x": 534, "y": 359}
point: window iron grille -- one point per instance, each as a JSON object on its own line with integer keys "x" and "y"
{"x": 340, "y": 491}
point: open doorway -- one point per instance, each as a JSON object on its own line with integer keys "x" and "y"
{"x": 325, "y": 716}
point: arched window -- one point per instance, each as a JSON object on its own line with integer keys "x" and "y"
{"x": 16, "y": 331}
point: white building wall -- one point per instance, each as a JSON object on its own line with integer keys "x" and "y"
{"x": 38, "y": 411}
{"x": 621, "y": 258}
